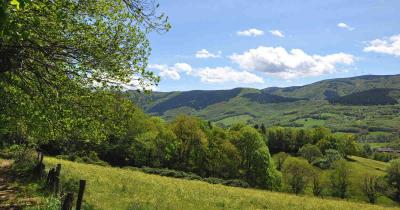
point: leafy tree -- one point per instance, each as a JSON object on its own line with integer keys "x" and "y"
{"x": 223, "y": 158}
{"x": 63, "y": 59}
{"x": 263, "y": 129}
{"x": 280, "y": 159}
{"x": 393, "y": 178}
{"x": 366, "y": 150}
{"x": 347, "y": 145}
{"x": 296, "y": 174}
{"x": 340, "y": 178}
{"x": 193, "y": 146}
{"x": 256, "y": 160}
{"x": 371, "y": 187}
{"x": 329, "y": 158}
{"x": 310, "y": 152}
{"x": 317, "y": 186}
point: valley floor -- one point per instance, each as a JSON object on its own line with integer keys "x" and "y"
{"x": 114, "y": 188}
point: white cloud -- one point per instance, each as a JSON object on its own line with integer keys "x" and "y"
{"x": 345, "y": 26}
{"x": 288, "y": 65}
{"x": 390, "y": 46}
{"x": 277, "y": 33}
{"x": 203, "y": 53}
{"x": 207, "y": 74}
{"x": 172, "y": 72}
{"x": 227, "y": 74}
{"x": 250, "y": 32}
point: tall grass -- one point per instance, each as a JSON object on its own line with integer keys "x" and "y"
{"x": 114, "y": 188}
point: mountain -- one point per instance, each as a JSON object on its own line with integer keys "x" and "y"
{"x": 354, "y": 105}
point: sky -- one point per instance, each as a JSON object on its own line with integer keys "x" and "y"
{"x": 223, "y": 44}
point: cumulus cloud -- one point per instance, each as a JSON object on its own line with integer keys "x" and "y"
{"x": 390, "y": 46}
{"x": 203, "y": 53}
{"x": 227, "y": 74}
{"x": 277, "y": 33}
{"x": 207, "y": 74}
{"x": 172, "y": 72}
{"x": 277, "y": 61}
{"x": 345, "y": 26}
{"x": 250, "y": 32}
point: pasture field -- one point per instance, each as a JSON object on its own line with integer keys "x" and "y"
{"x": 115, "y": 188}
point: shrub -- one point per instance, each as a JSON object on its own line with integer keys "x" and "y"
{"x": 236, "y": 183}
{"x": 213, "y": 180}
{"x": 25, "y": 160}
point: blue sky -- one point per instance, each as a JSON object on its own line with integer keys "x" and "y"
{"x": 222, "y": 44}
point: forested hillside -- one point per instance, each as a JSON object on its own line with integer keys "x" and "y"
{"x": 365, "y": 105}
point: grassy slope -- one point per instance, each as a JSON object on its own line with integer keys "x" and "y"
{"x": 359, "y": 167}
{"x": 114, "y": 188}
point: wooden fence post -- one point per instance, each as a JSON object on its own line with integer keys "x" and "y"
{"x": 58, "y": 170}
{"x": 56, "y": 185}
{"x": 82, "y": 185}
{"x": 50, "y": 177}
{"x": 68, "y": 201}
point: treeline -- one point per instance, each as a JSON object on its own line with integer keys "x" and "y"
{"x": 128, "y": 137}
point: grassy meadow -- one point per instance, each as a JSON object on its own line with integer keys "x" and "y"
{"x": 115, "y": 188}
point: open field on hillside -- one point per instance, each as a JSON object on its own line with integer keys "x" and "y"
{"x": 115, "y": 188}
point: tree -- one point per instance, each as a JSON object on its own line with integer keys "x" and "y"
{"x": 317, "y": 187}
{"x": 263, "y": 129}
{"x": 370, "y": 187}
{"x": 58, "y": 57}
{"x": 310, "y": 152}
{"x": 393, "y": 178}
{"x": 329, "y": 158}
{"x": 296, "y": 174}
{"x": 347, "y": 145}
{"x": 366, "y": 150}
{"x": 280, "y": 159}
{"x": 340, "y": 178}
{"x": 193, "y": 144}
{"x": 256, "y": 160}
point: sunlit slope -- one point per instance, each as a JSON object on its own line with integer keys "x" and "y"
{"x": 114, "y": 188}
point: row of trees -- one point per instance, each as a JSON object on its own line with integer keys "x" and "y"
{"x": 291, "y": 140}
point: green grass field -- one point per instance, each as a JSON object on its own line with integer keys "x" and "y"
{"x": 114, "y": 188}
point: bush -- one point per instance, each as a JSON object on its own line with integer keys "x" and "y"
{"x": 236, "y": 183}
{"x": 25, "y": 160}
{"x": 90, "y": 158}
{"x": 170, "y": 173}
{"x": 213, "y": 180}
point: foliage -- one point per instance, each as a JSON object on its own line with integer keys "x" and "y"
{"x": 393, "y": 178}
{"x": 378, "y": 96}
{"x": 256, "y": 159}
{"x": 371, "y": 187}
{"x": 63, "y": 61}
{"x": 196, "y": 99}
{"x": 25, "y": 160}
{"x": 297, "y": 174}
{"x": 280, "y": 159}
{"x": 317, "y": 187}
{"x": 265, "y": 98}
{"x": 310, "y": 152}
{"x": 339, "y": 178}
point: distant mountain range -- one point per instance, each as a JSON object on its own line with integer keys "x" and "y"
{"x": 285, "y": 106}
